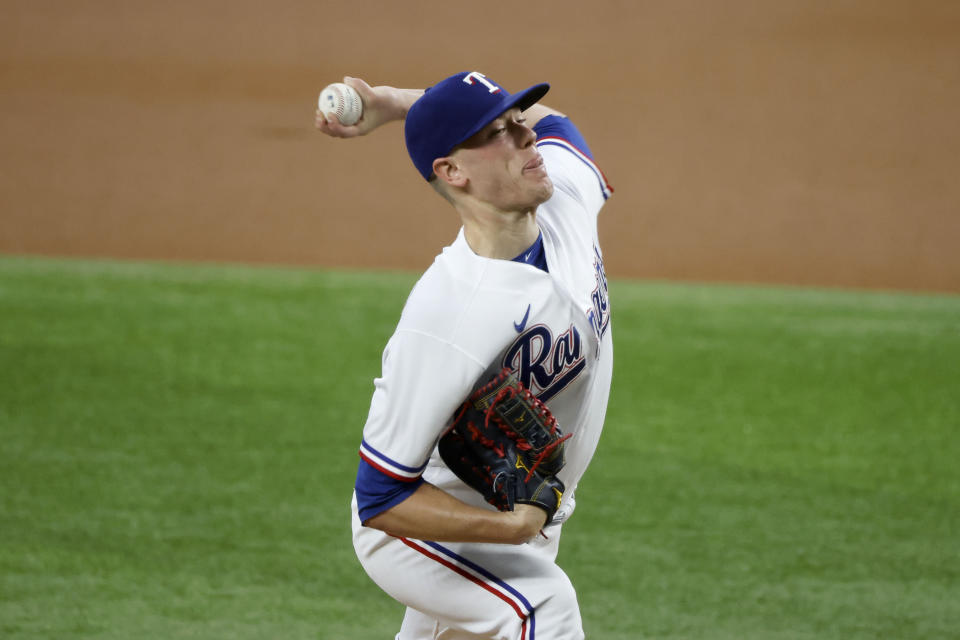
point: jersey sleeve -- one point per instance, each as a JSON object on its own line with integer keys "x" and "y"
{"x": 377, "y": 491}
{"x": 570, "y": 162}
{"x": 423, "y": 381}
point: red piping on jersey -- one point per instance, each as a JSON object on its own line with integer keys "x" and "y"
{"x": 585, "y": 157}
{"x": 385, "y": 471}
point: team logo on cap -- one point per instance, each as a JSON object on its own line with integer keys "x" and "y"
{"x": 474, "y": 77}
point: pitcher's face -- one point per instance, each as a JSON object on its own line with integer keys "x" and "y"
{"x": 503, "y": 165}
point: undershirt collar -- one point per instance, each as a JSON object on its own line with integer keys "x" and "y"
{"x": 535, "y": 255}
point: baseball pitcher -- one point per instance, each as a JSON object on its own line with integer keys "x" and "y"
{"x": 494, "y": 386}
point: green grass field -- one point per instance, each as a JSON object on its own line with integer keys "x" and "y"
{"x": 179, "y": 445}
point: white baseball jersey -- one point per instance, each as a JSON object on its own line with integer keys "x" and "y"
{"x": 467, "y": 318}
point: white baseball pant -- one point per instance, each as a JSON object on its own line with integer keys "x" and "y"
{"x": 461, "y": 591}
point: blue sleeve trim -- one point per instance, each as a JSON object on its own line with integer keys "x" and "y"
{"x": 562, "y": 127}
{"x": 389, "y": 466}
{"x": 560, "y": 132}
{"x": 377, "y": 492}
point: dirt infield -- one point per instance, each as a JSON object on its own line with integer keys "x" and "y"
{"x": 790, "y": 142}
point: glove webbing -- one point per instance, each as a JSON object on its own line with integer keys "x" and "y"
{"x": 509, "y": 392}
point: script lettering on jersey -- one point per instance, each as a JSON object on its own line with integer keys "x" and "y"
{"x": 599, "y": 314}
{"x": 545, "y": 363}
{"x": 475, "y": 76}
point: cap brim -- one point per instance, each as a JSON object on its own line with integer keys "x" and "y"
{"x": 523, "y": 99}
{"x": 530, "y": 96}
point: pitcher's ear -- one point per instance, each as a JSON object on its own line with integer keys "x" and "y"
{"x": 449, "y": 170}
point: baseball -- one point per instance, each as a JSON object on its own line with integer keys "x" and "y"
{"x": 341, "y": 100}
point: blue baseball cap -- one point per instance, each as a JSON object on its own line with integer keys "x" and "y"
{"x": 453, "y": 110}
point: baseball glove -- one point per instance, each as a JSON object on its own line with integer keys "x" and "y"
{"x": 506, "y": 444}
